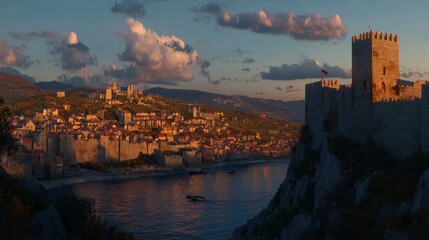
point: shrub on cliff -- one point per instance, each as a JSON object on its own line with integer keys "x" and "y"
{"x": 80, "y": 219}
{"x": 17, "y": 207}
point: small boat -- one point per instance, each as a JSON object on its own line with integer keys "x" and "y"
{"x": 193, "y": 171}
{"x": 230, "y": 171}
{"x": 195, "y": 198}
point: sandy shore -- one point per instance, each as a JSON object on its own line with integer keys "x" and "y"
{"x": 89, "y": 175}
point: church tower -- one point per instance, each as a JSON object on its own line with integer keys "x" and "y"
{"x": 130, "y": 91}
{"x": 375, "y": 66}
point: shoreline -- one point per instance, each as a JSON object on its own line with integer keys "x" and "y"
{"x": 89, "y": 175}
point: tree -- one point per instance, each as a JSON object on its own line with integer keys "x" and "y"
{"x": 5, "y": 127}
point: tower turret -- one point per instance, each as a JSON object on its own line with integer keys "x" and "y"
{"x": 375, "y": 65}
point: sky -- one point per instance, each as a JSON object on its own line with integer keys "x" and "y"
{"x": 259, "y": 48}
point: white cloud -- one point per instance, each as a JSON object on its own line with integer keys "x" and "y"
{"x": 73, "y": 54}
{"x": 154, "y": 58}
{"x": 303, "y": 27}
{"x": 11, "y": 56}
{"x": 308, "y": 68}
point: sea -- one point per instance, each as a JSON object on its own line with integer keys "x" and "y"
{"x": 157, "y": 207}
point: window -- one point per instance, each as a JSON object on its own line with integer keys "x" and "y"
{"x": 384, "y": 70}
{"x": 364, "y": 85}
{"x": 383, "y": 86}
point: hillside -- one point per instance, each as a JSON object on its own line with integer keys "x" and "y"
{"x": 54, "y": 85}
{"x": 15, "y": 88}
{"x": 291, "y": 111}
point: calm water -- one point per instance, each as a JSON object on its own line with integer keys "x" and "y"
{"x": 156, "y": 207}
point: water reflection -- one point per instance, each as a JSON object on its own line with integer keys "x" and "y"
{"x": 156, "y": 207}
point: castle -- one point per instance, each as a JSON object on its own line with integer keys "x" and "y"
{"x": 378, "y": 106}
{"x": 114, "y": 91}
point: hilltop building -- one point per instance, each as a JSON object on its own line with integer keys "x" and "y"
{"x": 378, "y": 106}
{"x": 113, "y": 91}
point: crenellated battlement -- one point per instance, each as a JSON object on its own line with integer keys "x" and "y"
{"x": 330, "y": 83}
{"x": 375, "y": 35}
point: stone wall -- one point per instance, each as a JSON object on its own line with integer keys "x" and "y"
{"x": 375, "y": 65}
{"x": 425, "y": 118}
{"x": 81, "y": 150}
{"x": 396, "y": 126}
{"x": 321, "y": 106}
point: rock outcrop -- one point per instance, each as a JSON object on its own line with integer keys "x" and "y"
{"x": 47, "y": 224}
{"x": 421, "y": 195}
{"x": 346, "y": 191}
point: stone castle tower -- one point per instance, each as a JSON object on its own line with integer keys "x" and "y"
{"x": 378, "y": 106}
{"x": 375, "y": 66}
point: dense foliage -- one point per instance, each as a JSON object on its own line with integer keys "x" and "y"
{"x": 6, "y": 141}
{"x": 79, "y": 218}
{"x": 17, "y": 207}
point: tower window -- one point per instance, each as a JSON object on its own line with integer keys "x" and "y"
{"x": 383, "y": 86}
{"x": 384, "y": 70}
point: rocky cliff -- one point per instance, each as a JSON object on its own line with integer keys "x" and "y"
{"x": 346, "y": 191}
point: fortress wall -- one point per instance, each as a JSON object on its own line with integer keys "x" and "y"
{"x": 345, "y": 114}
{"x": 85, "y": 150}
{"x": 39, "y": 141}
{"x": 411, "y": 92}
{"x": 320, "y": 105}
{"x": 397, "y": 126}
{"x": 425, "y": 118}
{"x": 362, "y": 119}
{"x": 313, "y": 114}
{"x": 66, "y": 148}
{"x": 52, "y": 144}
{"x": 112, "y": 151}
{"x": 131, "y": 150}
{"x": 81, "y": 150}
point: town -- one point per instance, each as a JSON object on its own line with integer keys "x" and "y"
{"x": 57, "y": 134}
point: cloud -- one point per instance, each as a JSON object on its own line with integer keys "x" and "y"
{"x": 131, "y": 8}
{"x": 308, "y": 68}
{"x": 47, "y": 34}
{"x": 73, "y": 54}
{"x": 248, "y": 60}
{"x": 153, "y": 58}
{"x": 240, "y": 51}
{"x": 205, "y": 64}
{"x": 204, "y": 11}
{"x": 413, "y": 73}
{"x": 302, "y": 27}
{"x": 245, "y": 69}
{"x": 212, "y": 8}
{"x": 11, "y": 56}
{"x": 224, "y": 79}
{"x": 287, "y": 89}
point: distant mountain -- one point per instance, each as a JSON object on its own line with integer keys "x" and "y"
{"x": 53, "y": 85}
{"x": 15, "y": 88}
{"x": 292, "y": 111}
{"x": 15, "y": 72}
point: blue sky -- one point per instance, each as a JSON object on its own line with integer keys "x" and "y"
{"x": 259, "y": 48}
